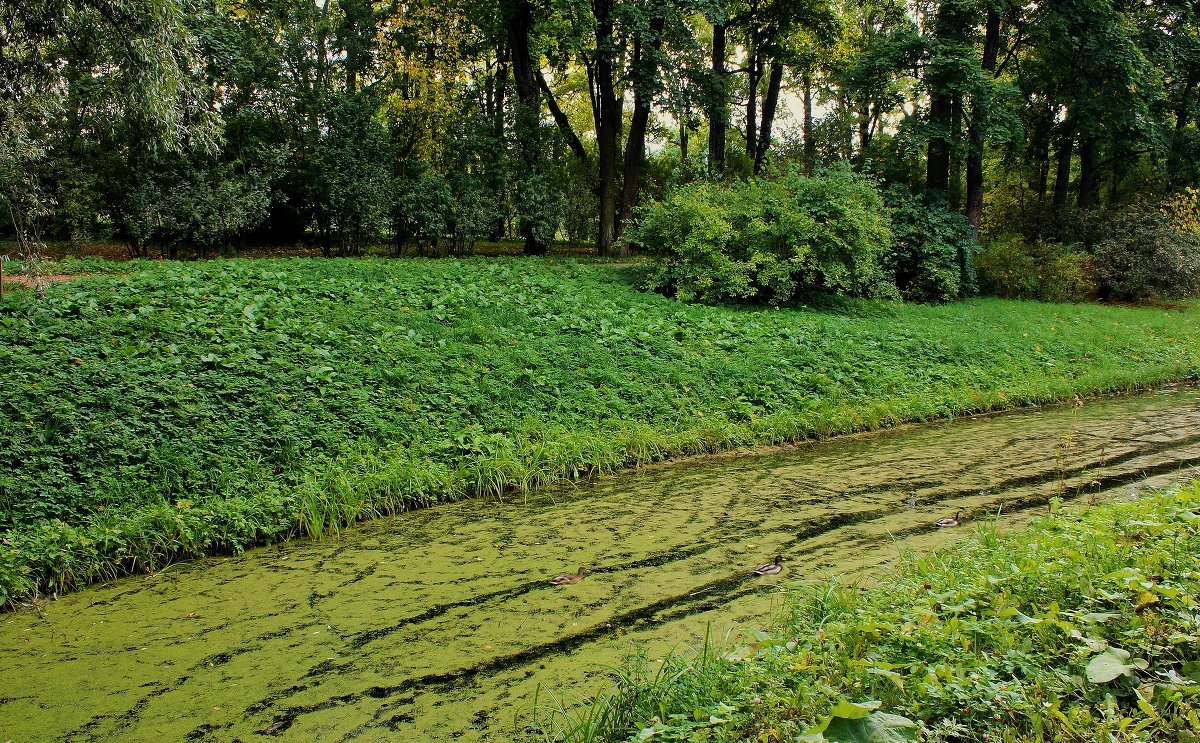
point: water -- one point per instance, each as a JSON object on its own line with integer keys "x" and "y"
{"x": 440, "y": 625}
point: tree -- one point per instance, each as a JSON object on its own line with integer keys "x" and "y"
{"x": 132, "y": 58}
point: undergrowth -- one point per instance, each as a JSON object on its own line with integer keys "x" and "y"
{"x": 1080, "y": 628}
{"x": 166, "y": 410}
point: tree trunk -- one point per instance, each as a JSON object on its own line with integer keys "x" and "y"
{"x": 956, "y": 160}
{"x": 718, "y": 106}
{"x": 1039, "y": 152}
{"x": 941, "y": 113}
{"x": 953, "y": 27}
{"x": 496, "y": 178}
{"x": 1176, "y": 162}
{"x": 770, "y": 104}
{"x": 1043, "y": 176}
{"x": 645, "y": 88}
{"x": 991, "y": 50}
{"x": 845, "y": 108}
{"x": 810, "y": 143}
{"x": 1087, "y": 173}
{"x": 754, "y": 76}
{"x": 1062, "y": 178}
{"x": 561, "y": 120}
{"x": 500, "y": 83}
{"x": 518, "y": 21}
{"x": 975, "y": 177}
{"x": 863, "y": 128}
{"x": 326, "y": 239}
{"x": 608, "y": 127}
{"x": 1185, "y": 101}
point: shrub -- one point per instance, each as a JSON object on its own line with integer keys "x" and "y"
{"x": 932, "y": 255}
{"x": 1016, "y": 268}
{"x": 1146, "y": 253}
{"x": 1039, "y": 221}
{"x": 768, "y": 239}
{"x": 1183, "y": 209}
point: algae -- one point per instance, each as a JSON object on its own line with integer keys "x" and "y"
{"x": 439, "y": 624}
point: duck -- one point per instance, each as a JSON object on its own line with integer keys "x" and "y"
{"x": 947, "y": 521}
{"x": 569, "y": 580}
{"x": 771, "y": 568}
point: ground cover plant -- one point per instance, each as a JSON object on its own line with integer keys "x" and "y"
{"x": 175, "y": 409}
{"x": 1084, "y": 627}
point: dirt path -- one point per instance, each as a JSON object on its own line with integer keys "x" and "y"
{"x": 32, "y": 281}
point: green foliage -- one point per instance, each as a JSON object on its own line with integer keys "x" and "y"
{"x": 1015, "y": 268}
{"x": 246, "y": 401}
{"x": 422, "y": 205}
{"x": 932, "y": 252}
{"x": 193, "y": 203}
{"x": 1144, "y": 254}
{"x": 768, "y": 239}
{"x": 354, "y": 162}
{"x": 1082, "y": 627}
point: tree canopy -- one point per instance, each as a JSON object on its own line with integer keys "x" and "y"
{"x": 191, "y": 126}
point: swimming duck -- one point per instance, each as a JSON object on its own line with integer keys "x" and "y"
{"x": 771, "y": 568}
{"x": 949, "y": 521}
{"x": 568, "y": 580}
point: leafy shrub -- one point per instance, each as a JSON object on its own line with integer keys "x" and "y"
{"x": 932, "y": 255}
{"x": 422, "y": 203}
{"x": 1146, "y": 253}
{"x": 1016, "y": 268}
{"x": 1183, "y": 209}
{"x": 354, "y": 163}
{"x": 1009, "y": 214}
{"x": 185, "y": 201}
{"x": 768, "y": 239}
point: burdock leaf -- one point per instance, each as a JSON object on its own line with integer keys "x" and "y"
{"x": 1111, "y": 664}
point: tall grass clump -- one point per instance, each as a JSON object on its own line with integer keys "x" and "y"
{"x": 1083, "y": 627}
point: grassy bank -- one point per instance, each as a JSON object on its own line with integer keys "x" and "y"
{"x": 179, "y": 409}
{"x": 1080, "y": 628}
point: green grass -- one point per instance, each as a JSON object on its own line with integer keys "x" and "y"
{"x": 155, "y": 410}
{"x": 1080, "y": 628}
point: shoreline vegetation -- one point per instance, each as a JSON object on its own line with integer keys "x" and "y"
{"x": 1079, "y": 626}
{"x": 154, "y": 411}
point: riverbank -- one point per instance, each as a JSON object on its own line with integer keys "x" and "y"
{"x": 191, "y": 408}
{"x": 1080, "y": 627}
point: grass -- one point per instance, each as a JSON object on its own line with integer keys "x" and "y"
{"x": 1080, "y": 628}
{"x": 156, "y": 410}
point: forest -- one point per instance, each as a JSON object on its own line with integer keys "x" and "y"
{"x": 1054, "y": 144}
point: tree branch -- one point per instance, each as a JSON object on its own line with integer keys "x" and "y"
{"x": 560, "y": 118}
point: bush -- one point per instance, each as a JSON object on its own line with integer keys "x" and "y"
{"x": 1015, "y": 268}
{"x": 932, "y": 253}
{"x": 1146, "y": 253}
{"x": 1183, "y": 209}
{"x": 768, "y": 239}
{"x": 1006, "y": 214}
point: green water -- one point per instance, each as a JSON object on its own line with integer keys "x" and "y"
{"x": 440, "y": 625}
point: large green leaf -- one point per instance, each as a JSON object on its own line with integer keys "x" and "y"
{"x": 875, "y": 727}
{"x": 1111, "y": 664}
